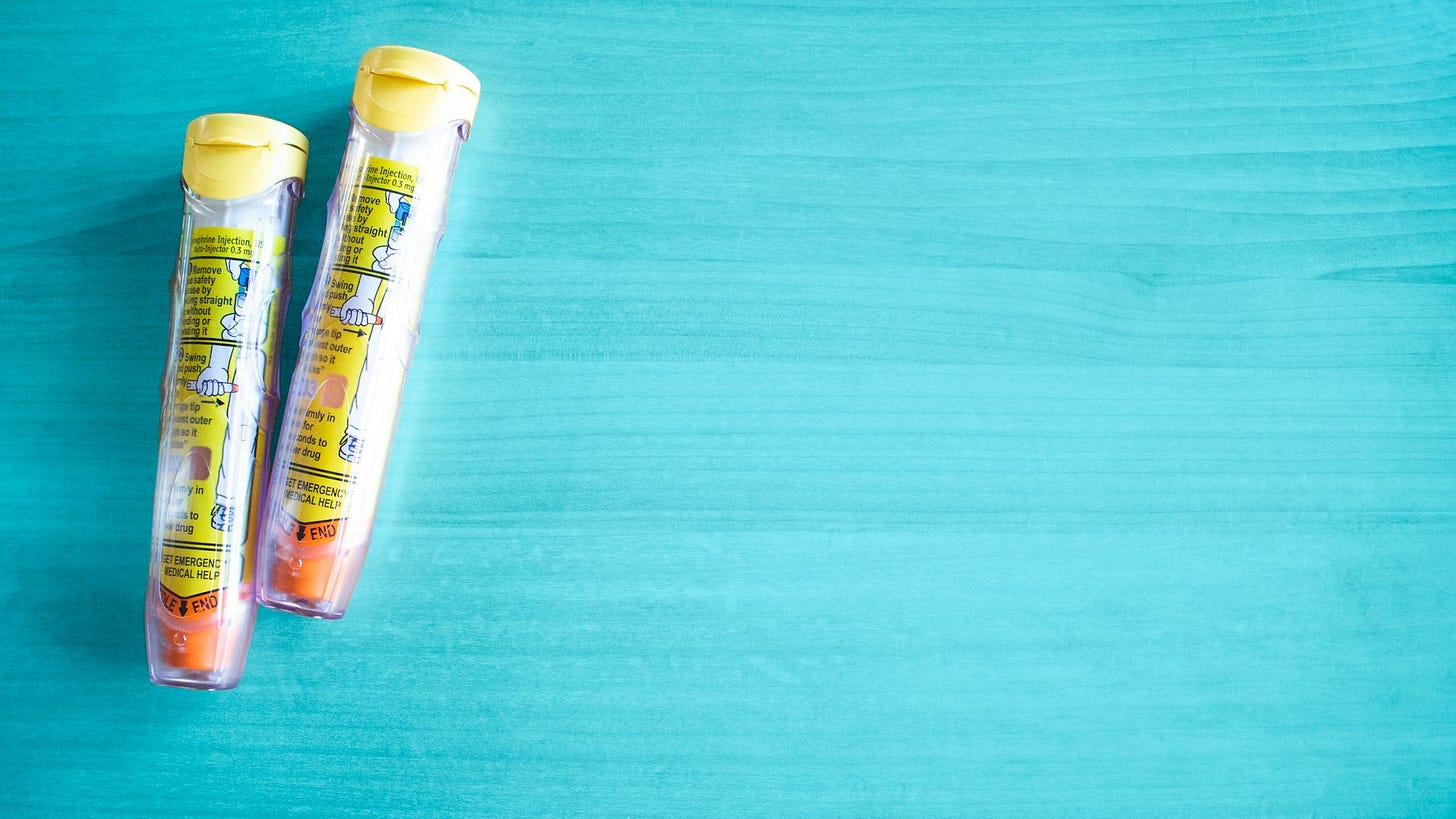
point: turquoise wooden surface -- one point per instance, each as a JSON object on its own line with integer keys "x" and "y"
{"x": 824, "y": 408}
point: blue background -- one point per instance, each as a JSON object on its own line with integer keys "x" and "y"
{"x": 833, "y": 408}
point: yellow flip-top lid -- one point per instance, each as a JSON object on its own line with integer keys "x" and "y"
{"x": 228, "y": 156}
{"x": 409, "y": 89}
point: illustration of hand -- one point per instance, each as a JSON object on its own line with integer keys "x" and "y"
{"x": 357, "y": 312}
{"x": 399, "y": 206}
{"x": 222, "y": 517}
{"x": 213, "y": 381}
{"x": 232, "y": 326}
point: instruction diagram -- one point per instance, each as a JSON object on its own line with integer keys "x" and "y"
{"x": 367, "y": 308}
{"x": 243, "y": 332}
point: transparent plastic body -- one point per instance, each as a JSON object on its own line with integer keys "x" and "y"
{"x": 385, "y": 220}
{"x": 219, "y": 394}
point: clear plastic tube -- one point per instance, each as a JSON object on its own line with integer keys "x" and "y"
{"x": 360, "y": 326}
{"x": 219, "y": 393}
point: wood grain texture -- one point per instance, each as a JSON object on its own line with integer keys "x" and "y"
{"x": 1005, "y": 408}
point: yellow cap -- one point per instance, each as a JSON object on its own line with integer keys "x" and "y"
{"x": 409, "y": 89}
{"x": 234, "y": 155}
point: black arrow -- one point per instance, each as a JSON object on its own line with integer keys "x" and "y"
{"x": 218, "y": 401}
{"x": 359, "y": 333}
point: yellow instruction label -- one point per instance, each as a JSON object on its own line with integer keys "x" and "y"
{"x": 343, "y": 353}
{"x": 228, "y": 315}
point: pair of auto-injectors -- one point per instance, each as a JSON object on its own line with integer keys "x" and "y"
{"x": 228, "y": 531}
